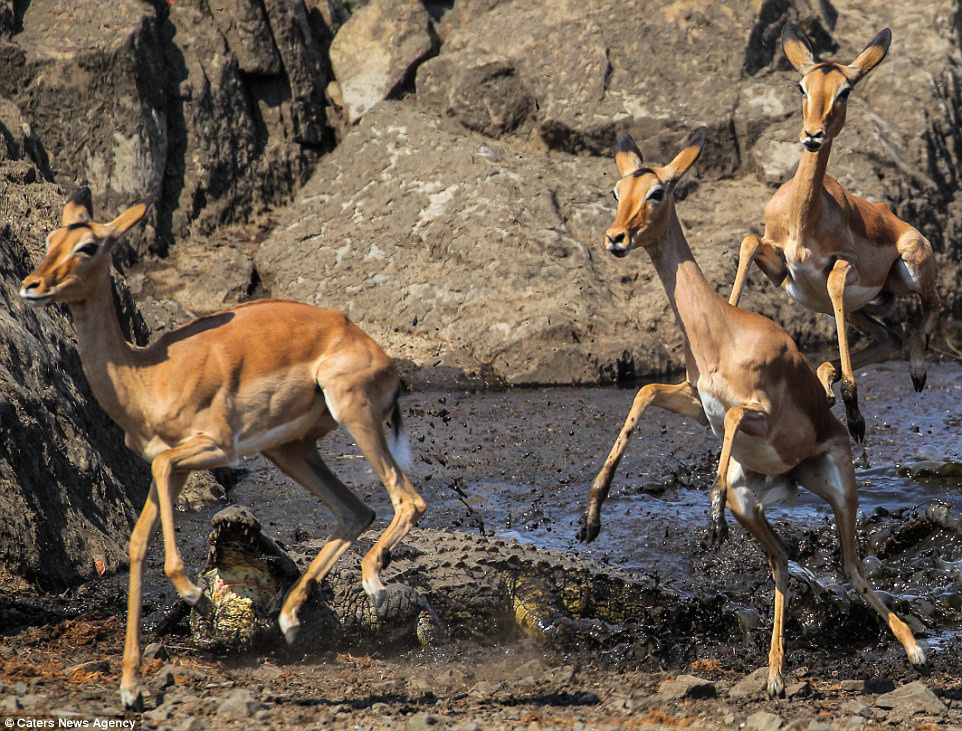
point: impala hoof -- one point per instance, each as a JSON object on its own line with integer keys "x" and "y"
{"x": 717, "y": 531}
{"x": 917, "y": 658}
{"x": 133, "y": 700}
{"x": 776, "y": 686}
{"x": 375, "y": 591}
{"x": 589, "y": 529}
{"x": 289, "y": 627}
{"x": 919, "y": 381}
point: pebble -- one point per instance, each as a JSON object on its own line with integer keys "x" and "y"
{"x": 239, "y": 703}
{"x": 420, "y": 721}
{"x": 821, "y": 726}
{"x": 9, "y": 704}
{"x": 852, "y": 685}
{"x": 915, "y": 697}
{"x": 856, "y": 708}
{"x": 752, "y": 684}
{"x": 686, "y": 686}
{"x": 154, "y": 651}
{"x": 93, "y": 666}
{"x": 764, "y": 721}
{"x": 191, "y": 724}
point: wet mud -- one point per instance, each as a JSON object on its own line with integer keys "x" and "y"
{"x": 514, "y": 467}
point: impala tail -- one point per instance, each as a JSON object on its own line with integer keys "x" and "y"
{"x": 399, "y": 444}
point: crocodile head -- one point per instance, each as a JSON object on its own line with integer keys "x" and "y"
{"x": 247, "y": 575}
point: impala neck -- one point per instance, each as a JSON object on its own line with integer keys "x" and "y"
{"x": 694, "y": 301}
{"x": 807, "y": 193}
{"x": 108, "y": 360}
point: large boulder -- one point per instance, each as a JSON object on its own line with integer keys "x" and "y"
{"x": 376, "y": 49}
{"x": 69, "y": 488}
{"x": 454, "y": 250}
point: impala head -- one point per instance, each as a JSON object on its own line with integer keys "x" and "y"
{"x": 644, "y": 194}
{"x": 825, "y": 85}
{"x": 78, "y": 253}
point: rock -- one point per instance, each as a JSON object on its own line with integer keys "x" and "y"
{"x": 686, "y": 686}
{"x": 191, "y": 724}
{"x": 154, "y": 651}
{"x": 856, "y": 708}
{"x": 239, "y": 703}
{"x": 92, "y": 666}
{"x": 248, "y": 35}
{"x": 852, "y": 686}
{"x": 820, "y": 726}
{"x": 69, "y": 488}
{"x": 10, "y": 704}
{"x": 801, "y": 689}
{"x": 420, "y": 721}
{"x": 752, "y": 684}
{"x": 764, "y": 721}
{"x": 375, "y": 50}
{"x": 915, "y": 697}
{"x": 116, "y": 141}
{"x": 304, "y": 66}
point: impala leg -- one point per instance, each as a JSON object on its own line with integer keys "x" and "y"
{"x": 915, "y": 272}
{"x": 409, "y": 506}
{"x": 836, "y": 291}
{"x": 746, "y": 256}
{"x": 170, "y": 470}
{"x": 139, "y": 538}
{"x": 919, "y": 341}
{"x": 301, "y": 462}
{"x": 753, "y": 420}
{"x": 832, "y": 478}
{"x": 751, "y": 514}
{"x": 883, "y": 341}
{"x": 680, "y": 398}
{"x": 767, "y": 256}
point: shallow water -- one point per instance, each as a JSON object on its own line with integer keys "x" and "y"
{"x": 518, "y": 464}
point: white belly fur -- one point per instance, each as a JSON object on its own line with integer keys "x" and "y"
{"x": 807, "y": 285}
{"x": 755, "y": 453}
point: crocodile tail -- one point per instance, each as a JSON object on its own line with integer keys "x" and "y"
{"x": 399, "y": 444}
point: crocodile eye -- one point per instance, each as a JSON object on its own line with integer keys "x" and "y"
{"x": 656, "y": 195}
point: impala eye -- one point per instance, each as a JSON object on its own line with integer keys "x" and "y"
{"x": 843, "y": 94}
{"x": 614, "y": 193}
{"x": 90, "y": 249}
{"x": 656, "y": 195}
{"x": 801, "y": 90}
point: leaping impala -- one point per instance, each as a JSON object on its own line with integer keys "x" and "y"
{"x": 749, "y": 382}
{"x": 832, "y": 251}
{"x": 270, "y": 377}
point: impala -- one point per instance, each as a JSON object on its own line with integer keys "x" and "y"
{"x": 832, "y": 251}
{"x": 269, "y": 376}
{"x": 748, "y": 381}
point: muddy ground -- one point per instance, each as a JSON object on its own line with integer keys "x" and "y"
{"x": 516, "y": 465}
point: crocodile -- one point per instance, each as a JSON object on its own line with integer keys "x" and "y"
{"x": 449, "y": 585}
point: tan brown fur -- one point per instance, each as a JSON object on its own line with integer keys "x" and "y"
{"x": 268, "y": 376}
{"x": 812, "y": 223}
{"x": 746, "y": 378}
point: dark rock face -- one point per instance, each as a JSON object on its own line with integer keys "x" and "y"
{"x": 69, "y": 488}
{"x": 217, "y": 109}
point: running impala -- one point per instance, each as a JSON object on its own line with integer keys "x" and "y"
{"x": 746, "y": 379}
{"x": 268, "y": 376}
{"x": 832, "y": 251}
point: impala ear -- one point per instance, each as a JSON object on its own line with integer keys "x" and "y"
{"x": 628, "y": 157}
{"x": 797, "y": 49}
{"x": 127, "y": 220}
{"x": 78, "y": 208}
{"x": 871, "y": 57}
{"x": 689, "y": 153}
